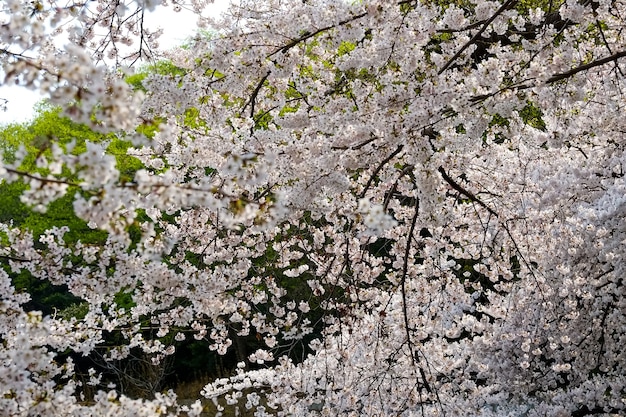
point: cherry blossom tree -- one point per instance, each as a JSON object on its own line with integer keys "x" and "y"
{"x": 424, "y": 200}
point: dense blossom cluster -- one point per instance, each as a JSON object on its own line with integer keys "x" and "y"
{"x": 443, "y": 182}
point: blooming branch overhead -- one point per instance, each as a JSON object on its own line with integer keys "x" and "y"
{"x": 380, "y": 208}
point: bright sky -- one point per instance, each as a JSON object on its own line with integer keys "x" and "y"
{"x": 177, "y": 27}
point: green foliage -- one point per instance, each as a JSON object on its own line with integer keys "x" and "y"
{"x": 37, "y": 136}
{"x": 124, "y": 299}
{"x": 262, "y": 120}
{"x": 48, "y": 127}
{"x": 60, "y": 213}
{"x": 434, "y": 45}
{"x": 498, "y": 120}
{"x": 532, "y": 116}
{"x": 346, "y": 47}
{"x": 77, "y": 310}
{"x": 292, "y": 95}
{"x": 127, "y": 165}
{"x": 444, "y": 4}
{"x": 191, "y": 119}
{"x": 149, "y": 128}
{"x": 161, "y": 68}
{"x": 524, "y": 6}
{"x": 136, "y": 81}
{"x": 11, "y": 208}
{"x": 45, "y": 297}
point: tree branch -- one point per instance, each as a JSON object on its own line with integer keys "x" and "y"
{"x": 308, "y": 35}
{"x": 464, "y": 192}
{"x": 405, "y": 269}
{"x": 576, "y": 70}
{"x": 38, "y": 178}
{"x": 255, "y": 93}
{"x": 554, "y": 78}
{"x": 12, "y": 258}
{"x": 378, "y": 168}
{"x": 505, "y": 6}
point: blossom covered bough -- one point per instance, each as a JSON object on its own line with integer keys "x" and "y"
{"x": 443, "y": 180}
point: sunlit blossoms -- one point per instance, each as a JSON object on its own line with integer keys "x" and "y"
{"x": 403, "y": 208}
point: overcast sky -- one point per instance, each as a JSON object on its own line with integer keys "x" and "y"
{"x": 177, "y": 27}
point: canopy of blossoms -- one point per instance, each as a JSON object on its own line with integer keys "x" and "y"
{"x": 443, "y": 182}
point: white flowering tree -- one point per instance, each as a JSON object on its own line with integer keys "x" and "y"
{"x": 424, "y": 200}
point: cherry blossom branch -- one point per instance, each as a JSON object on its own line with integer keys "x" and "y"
{"x": 504, "y": 225}
{"x": 355, "y": 147}
{"x": 465, "y": 192}
{"x": 505, "y": 6}
{"x": 252, "y": 101}
{"x": 576, "y": 70}
{"x": 12, "y": 258}
{"x": 308, "y": 35}
{"x": 38, "y": 178}
{"x": 405, "y": 269}
{"x": 141, "y": 36}
{"x": 602, "y": 327}
{"x": 463, "y": 29}
{"x": 394, "y": 188}
{"x": 379, "y": 167}
{"x": 554, "y": 78}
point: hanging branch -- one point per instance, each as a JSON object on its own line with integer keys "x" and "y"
{"x": 405, "y": 268}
